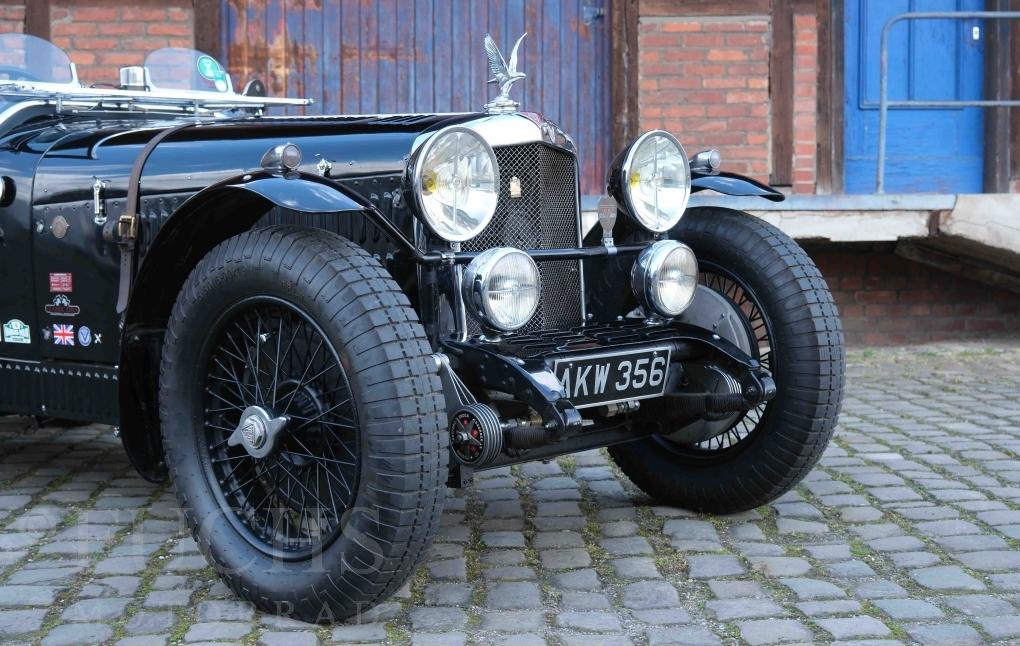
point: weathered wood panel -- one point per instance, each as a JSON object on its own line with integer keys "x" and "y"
{"x": 369, "y": 56}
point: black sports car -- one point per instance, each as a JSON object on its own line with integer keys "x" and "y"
{"x": 313, "y": 325}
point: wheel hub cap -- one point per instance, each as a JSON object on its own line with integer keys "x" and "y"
{"x": 257, "y": 431}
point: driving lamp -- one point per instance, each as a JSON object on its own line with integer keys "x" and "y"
{"x": 282, "y": 157}
{"x": 501, "y": 288}
{"x": 654, "y": 181}
{"x": 456, "y": 183}
{"x": 664, "y": 278}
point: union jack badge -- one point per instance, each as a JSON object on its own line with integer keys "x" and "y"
{"x": 63, "y": 334}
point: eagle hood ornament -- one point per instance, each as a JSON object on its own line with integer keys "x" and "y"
{"x": 503, "y": 74}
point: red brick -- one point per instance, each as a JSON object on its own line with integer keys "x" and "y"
{"x": 703, "y": 40}
{"x": 745, "y": 40}
{"x": 685, "y": 83}
{"x": 112, "y": 28}
{"x": 658, "y": 40}
{"x": 169, "y": 29}
{"x": 77, "y": 28}
{"x": 727, "y": 55}
{"x": 144, "y": 14}
{"x": 104, "y": 44}
{"x": 684, "y": 27}
{"x": 94, "y": 14}
{"x": 748, "y": 96}
{"x": 876, "y": 296}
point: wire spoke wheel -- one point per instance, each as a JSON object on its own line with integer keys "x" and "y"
{"x": 302, "y": 422}
{"x": 761, "y": 292}
{"x": 266, "y": 353}
{"x": 759, "y": 335}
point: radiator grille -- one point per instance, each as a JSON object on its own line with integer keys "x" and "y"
{"x": 545, "y": 216}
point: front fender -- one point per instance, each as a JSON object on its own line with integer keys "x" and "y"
{"x": 296, "y": 192}
{"x": 733, "y": 184}
{"x": 227, "y": 208}
{"x": 208, "y": 218}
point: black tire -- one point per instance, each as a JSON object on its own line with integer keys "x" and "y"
{"x": 321, "y": 284}
{"x": 807, "y": 362}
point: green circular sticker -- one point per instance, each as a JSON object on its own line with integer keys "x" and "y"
{"x": 209, "y": 68}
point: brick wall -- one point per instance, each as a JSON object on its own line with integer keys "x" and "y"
{"x": 101, "y": 36}
{"x": 706, "y": 80}
{"x": 805, "y": 97}
{"x": 884, "y": 299}
{"x": 12, "y": 18}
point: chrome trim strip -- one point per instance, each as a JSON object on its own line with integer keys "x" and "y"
{"x": 22, "y": 106}
{"x": 75, "y": 95}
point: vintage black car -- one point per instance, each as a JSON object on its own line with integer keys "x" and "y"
{"x": 313, "y": 325}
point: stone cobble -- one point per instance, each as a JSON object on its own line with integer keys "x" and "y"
{"x": 907, "y": 531}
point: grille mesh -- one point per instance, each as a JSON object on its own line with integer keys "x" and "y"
{"x": 545, "y": 216}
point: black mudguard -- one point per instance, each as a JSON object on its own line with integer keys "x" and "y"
{"x": 733, "y": 184}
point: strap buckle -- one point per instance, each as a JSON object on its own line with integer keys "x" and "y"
{"x": 127, "y": 227}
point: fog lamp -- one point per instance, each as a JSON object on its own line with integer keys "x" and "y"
{"x": 501, "y": 288}
{"x": 664, "y": 278}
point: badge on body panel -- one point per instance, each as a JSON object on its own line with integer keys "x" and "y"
{"x": 62, "y": 282}
{"x": 15, "y": 331}
{"x": 62, "y": 306}
{"x": 63, "y": 334}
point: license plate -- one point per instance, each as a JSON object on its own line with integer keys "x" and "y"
{"x": 593, "y": 380}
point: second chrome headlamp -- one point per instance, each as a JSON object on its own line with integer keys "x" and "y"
{"x": 652, "y": 181}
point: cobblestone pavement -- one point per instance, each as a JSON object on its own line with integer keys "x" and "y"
{"x": 907, "y": 532}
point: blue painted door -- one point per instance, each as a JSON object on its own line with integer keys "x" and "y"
{"x": 928, "y": 150}
{"x": 389, "y": 56}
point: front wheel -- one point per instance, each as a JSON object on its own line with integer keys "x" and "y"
{"x": 301, "y": 422}
{"x": 790, "y": 324}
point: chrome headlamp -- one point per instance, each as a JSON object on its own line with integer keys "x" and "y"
{"x": 456, "y": 183}
{"x": 664, "y": 278}
{"x": 653, "y": 181}
{"x": 501, "y": 288}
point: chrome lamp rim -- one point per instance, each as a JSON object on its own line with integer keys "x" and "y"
{"x": 416, "y": 180}
{"x": 646, "y": 269}
{"x": 625, "y": 168}
{"x": 476, "y": 293}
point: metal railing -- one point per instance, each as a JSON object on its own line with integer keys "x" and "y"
{"x": 885, "y": 104}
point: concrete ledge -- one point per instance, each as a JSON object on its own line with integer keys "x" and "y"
{"x": 911, "y": 202}
{"x": 836, "y": 218}
{"x": 985, "y": 227}
{"x": 833, "y": 203}
{"x": 991, "y": 220}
